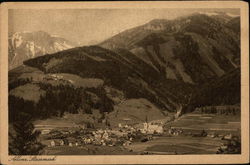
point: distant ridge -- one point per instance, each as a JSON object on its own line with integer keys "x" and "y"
{"x": 26, "y": 45}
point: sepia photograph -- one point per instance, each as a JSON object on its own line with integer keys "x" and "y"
{"x": 124, "y": 81}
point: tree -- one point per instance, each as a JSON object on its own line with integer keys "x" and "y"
{"x": 146, "y": 119}
{"x": 89, "y": 124}
{"x": 87, "y": 109}
{"x": 23, "y": 140}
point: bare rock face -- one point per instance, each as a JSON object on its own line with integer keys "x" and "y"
{"x": 26, "y": 45}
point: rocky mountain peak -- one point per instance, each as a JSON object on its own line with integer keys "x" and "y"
{"x": 25, "y": 45}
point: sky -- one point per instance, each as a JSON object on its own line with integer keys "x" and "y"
{"x": 90, "y": 26}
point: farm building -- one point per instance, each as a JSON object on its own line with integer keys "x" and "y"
{"x": 151, "y": 127}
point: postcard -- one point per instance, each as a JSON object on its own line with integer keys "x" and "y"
{"x": 143, "y": 82}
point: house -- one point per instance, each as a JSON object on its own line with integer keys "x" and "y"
{"x": 82, "y": 126}
{"x": 228, "y": 137}
{"x": 52, "y": 143}
{"x": 45, "y": 131}
{"x": 175, "y": 131}
{"x": 127, "y": 143}
{"x": 152, "y": 128}
{"x": 73, "y": 142}
{"x": 155, "y": 128}
{"x": 61, "y": 143}
{"x": 43, "y": 128}
{"x": 105, "y": 135}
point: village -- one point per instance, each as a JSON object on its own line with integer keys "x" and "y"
{"x": 122, "y": 135}
{"x": 132, "y": 138}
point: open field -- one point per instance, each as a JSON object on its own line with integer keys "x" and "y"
{"x": 87, "y": 150}
{"x": 178, "y": 145}
{"x": 134, "y": 111}
{"x": 30, "y": 92}
{"x": 221, "y": 124}
{"x": 160, "y": 145}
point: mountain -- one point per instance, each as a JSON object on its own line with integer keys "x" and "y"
{"x": 225, "y": 90}
{"x": 26, "y": 45}
{"x": 162, "y": 66}
{"x": 193, "y": 49}
{"x": 123, "y": 71}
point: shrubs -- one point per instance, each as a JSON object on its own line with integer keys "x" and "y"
{"x": 19, "y": 105}
{"x": 24, "y": 139}
{"x": 220, "y": 110}
{"x": 230, "y": 146}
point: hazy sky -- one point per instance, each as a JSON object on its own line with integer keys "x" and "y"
{"x": 88, "y": 25}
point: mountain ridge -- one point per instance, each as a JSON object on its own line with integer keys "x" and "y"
{"x": 164, "y": 62}
{"x": 215, "y": 44}
{"x": 25, "y": 45}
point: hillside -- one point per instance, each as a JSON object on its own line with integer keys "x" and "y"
{"x": 26, "y": 45}
{"x": 193, "y": 49}
{"x": 222, "y": 91}
{"x": 129, "y": 76}
{"x": 154, "y": 69}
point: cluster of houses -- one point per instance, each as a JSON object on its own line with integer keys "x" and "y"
{"x": 152, "y": 128}
{"x": 55, "y": 77}
{"x": 96, "y": 137}
{"x": 175, "y": 131}
{"x": 123, "y": 135}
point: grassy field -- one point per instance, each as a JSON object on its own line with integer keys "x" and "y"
{"x": 87, "y": 150}
{"x": 177, "y": 149}
{"x": 178, "y": 145}
{"x": 55, "y": 121}
{"x": 15, "y": 73}
{"x": 211, "y": 123}
{"x": 31, "y": 92}
{"x": 134, "y": 111}
{"x": 70, "y": 120}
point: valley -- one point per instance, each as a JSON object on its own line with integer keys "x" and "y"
{"x": 189, "y": 141}
{"x": 165, "y": 87}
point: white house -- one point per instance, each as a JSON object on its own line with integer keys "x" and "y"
{"x": 52, "y": 143}
{"x": 152, "y": 128}
{"x": 45, "y": 131}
